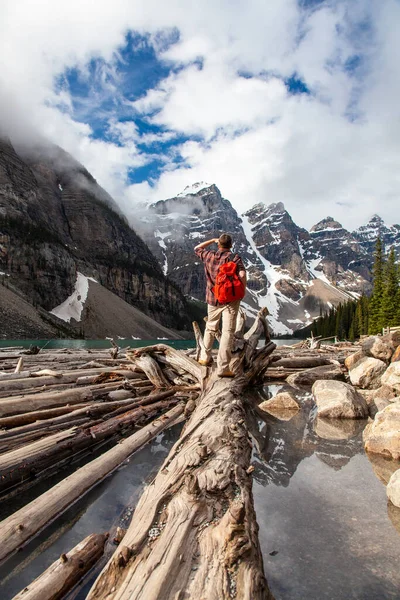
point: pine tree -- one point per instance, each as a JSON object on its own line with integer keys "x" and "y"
{"x": 375, "y": 304}
{"x": 390, "y": 291}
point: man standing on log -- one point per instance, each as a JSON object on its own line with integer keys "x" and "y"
{"x": 216, "y": 310}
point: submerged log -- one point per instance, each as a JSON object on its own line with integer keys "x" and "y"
{"x": 65, "y": 572}
{"x": 24, "y": 524}
{"x": 194, "y": 531}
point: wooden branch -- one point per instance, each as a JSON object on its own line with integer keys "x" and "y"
{"x": 65, "y": 572}
{"x": 176, "y": 359}
{"x": 199, "y": 340}
{"x": 152, "y": 371}
{"x": 20, "y": 364}
{"x": 19, "y": 528}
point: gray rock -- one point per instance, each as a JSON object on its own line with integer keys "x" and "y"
{"x": 352, "y": 359}
{"x": 308, "y": 377}
{"x": 367, "y": 373}
{"x": 382, "y": 436}
{"x": 339, "y": 400}
{"x": 377, "y": 347}
{"x": 382, "y": 466}
{"x": 393, "y": 489}
{"x": 378, "y": 399}
{"x": 391, "y": 376}
{"x": 282, "y": 401}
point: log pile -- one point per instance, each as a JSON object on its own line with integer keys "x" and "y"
{"x": 194, "y": 531}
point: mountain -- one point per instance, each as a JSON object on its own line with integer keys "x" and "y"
{"x": 295, "y": 273}
{"x": 368, "y": 234}
{"x": 56, "y": 221}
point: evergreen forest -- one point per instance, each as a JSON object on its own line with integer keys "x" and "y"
{"x": 366, "y": 315}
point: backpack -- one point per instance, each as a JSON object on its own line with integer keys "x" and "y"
{"x": 228, "y": 287}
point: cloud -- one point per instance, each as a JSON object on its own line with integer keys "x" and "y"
{"x": 217, "y": 106}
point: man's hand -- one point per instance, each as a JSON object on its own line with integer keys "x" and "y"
{"x": 207, "y": 243}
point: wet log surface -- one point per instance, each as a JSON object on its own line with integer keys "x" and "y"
{"x": 66, "y": 572}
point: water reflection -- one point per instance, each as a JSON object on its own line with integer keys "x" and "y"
{"x": 326, "y": 529}
{"x": 282, "y": 443}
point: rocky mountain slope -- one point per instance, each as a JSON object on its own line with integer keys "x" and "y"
{"x": 294, "y": 272}
{"x": 55, "y": 221}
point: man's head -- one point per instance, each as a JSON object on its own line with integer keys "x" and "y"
{"x": 225, "y": 241}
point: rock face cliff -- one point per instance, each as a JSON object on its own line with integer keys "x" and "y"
{"x": 294, "y": 272}
{"x": 55, "y": 220}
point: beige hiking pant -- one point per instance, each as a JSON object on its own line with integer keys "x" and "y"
{"x": 228, "y": 312}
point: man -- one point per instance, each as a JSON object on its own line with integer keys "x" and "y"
{"x": 228, "y": 312}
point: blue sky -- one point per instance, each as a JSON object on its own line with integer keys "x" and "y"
{"x": 287, "y": 101}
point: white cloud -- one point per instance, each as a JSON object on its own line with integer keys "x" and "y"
{"x": 257, "y": 142}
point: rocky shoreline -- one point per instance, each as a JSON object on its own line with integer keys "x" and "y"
{"x": 357, "y": 381}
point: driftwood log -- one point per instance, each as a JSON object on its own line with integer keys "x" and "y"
{"x": 194, "y": 532}
{"x": 65, "y": 572}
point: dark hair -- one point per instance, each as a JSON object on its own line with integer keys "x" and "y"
{"x": 225, "y": 240}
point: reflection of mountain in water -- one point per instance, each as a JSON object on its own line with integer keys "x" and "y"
{"x": 280, "y": 446}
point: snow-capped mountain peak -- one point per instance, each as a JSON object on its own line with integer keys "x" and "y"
{"x": 191, "y": 190}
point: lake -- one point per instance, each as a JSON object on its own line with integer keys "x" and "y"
{"x": 123, "y": 343}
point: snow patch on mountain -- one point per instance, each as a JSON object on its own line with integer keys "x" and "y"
{"x": 72, "y": 307}
{"x": 194, "y": 189}
{"x": 274, "y": 298}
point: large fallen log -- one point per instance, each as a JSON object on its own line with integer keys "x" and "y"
{"x": 65, "y": 572}
{"x": 24, "y": 524}
{"x": 194, "y": 531}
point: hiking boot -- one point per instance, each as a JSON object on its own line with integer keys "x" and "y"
{"x": 226, "y": 373}
{"x": 205, "y": 363}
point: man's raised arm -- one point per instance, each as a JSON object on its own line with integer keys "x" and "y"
{"x": 205, "y": 244}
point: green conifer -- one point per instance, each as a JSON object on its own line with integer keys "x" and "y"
{"x": 375, "y": 305}
{"x": 390, "y": 291}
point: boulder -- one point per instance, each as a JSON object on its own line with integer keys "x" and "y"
{"x": 391, "y": 377}
{"x": 378, "y": 399}
{"x": 338, "y": 400}
{"x": 393, "y": 338}
{"x": 394, "y": 515}
{"x": 308, "y": 377}
{"x": 393, "y": 488}
{"x": 337, "y": 429}
{"x": 367, "y": 372}
{"x": 385, "y": 392}
{"x": 282, "y": 401}
{"x": 383, "y": 467}
{"x": 396, "y": 355}
{"x": 377, "y": 347}
{"x": 353, "y": 359}
{"x": 382, "y": 436}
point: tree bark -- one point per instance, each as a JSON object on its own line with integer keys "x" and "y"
{"x": 65, "y": 572}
